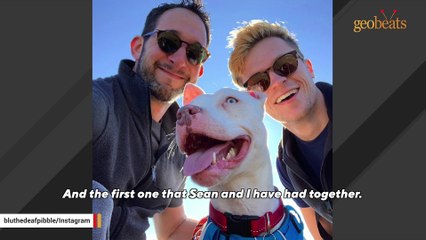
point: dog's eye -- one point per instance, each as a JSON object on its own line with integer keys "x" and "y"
{"x": 231, "y": 100}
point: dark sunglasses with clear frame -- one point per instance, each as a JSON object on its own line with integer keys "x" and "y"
{"x": 169, "y": 42}
{"x": 283, "y": 66}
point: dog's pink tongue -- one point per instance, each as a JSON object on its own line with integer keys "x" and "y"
{"x": 200, "y": 160}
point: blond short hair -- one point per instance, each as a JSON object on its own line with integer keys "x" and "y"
{"x": 244, "y": 38}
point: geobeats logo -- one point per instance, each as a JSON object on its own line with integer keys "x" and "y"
{"x": 378, "y": 24}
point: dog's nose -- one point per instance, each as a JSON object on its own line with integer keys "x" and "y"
{"x": 185, "y": 113}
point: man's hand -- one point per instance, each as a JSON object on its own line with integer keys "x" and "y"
{"x": 172, "y": 223}
{"x": 310, "y": 219}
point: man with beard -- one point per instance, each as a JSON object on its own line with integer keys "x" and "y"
{"x": 134, "y": 114}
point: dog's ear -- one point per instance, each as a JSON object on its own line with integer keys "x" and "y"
{"x": 258, "y": 95}
{"x": 190, "y": 92}
{"x": 254, "y": 94}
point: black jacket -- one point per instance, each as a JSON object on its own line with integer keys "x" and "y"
{"x": 298, "y": 177}
{"x": 122, "y": 156}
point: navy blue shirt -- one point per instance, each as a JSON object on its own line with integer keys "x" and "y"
{"x": 310, "y": 154}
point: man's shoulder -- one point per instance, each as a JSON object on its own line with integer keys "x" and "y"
{"x": 104, "y": 84}
{"x": 324, "y": 87}
{"x": 103, "y": 88}
{"x": 327, "y": 91}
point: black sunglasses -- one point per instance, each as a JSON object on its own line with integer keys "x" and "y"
{"x": 283, "y": 66}
{"x": 169, "y": 42}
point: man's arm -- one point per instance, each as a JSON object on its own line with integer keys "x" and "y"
{"x": 311, "y": 221}
{"x": 172, "y": 223}
{"x": 100, "y": 113}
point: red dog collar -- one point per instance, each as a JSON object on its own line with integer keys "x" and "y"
{"x": 247, "y": 226}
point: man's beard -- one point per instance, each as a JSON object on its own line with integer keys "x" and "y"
{"x": 158, "y": 91}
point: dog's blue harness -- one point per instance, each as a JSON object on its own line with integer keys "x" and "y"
{"x": 290, "y": 229}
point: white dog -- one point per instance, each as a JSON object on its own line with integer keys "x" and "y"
{"x": 225, "y": 139}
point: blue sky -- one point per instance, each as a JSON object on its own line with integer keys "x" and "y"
{"x": 115, "y": 23}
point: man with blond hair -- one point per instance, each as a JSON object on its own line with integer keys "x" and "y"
{"x": 267, "y": 58}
